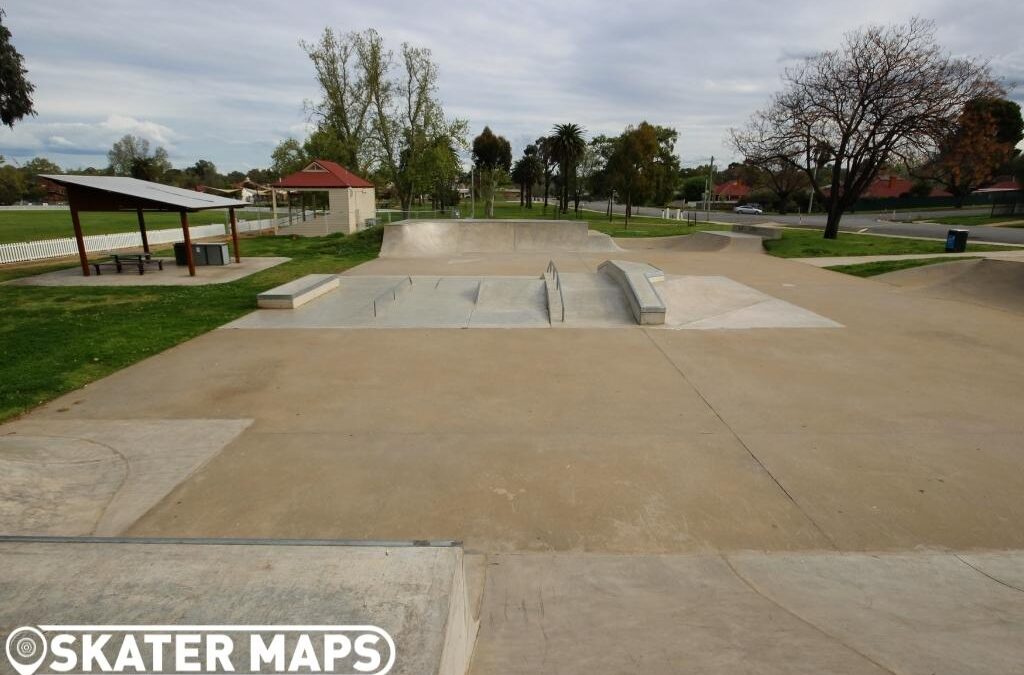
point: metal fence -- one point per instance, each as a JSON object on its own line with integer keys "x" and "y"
{"x": 385, "y": 216}
{"x": 1008, "y": 207}
{"x": 44, "y": 249}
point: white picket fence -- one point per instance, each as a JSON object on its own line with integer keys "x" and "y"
{"x": 44, "y": 249}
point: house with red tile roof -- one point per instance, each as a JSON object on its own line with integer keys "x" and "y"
{"x": 1002, "y": 184}
{"x": 731, "y": 191}
{"x": 352, "y": 201}
{"x": 890, "y": 186}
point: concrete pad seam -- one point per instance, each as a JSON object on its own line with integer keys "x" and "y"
{"x": 740, "y": 440}
{"x": 749, "y": 584}
{"x": 987, "y": 575}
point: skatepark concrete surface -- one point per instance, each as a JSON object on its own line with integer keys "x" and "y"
{"x": 170, "y": 275}
{"x": 833, "y": 499}
{"x": 417, "y": 594}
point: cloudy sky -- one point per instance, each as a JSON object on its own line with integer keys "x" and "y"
{"x": 226, "y": 81}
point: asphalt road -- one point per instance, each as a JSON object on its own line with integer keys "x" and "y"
{"x": 854, "y": 222}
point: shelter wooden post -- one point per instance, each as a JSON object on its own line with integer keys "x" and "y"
{"x": 142, "y": 231}
{"x": 80, "y": 240}
{"x": 188, "y": 244}
{"x": 273, "y": 205}
{"x": 234, "y": 234}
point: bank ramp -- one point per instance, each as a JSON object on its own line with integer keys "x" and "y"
{"x": 989, "y": 282}
{"x": 445, "y": 238}
{"x": 704, "y": 241}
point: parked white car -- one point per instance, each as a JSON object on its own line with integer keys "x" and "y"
{"x": 750, "y": 209}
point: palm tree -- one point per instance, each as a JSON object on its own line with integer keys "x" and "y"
{"x": 568, "y": 145}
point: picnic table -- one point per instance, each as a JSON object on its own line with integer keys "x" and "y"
{"x": 120, "y": 260}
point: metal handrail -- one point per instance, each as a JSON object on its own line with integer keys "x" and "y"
{"x": 552, "y": 271}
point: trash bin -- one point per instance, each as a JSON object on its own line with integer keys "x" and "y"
{"x": 214, "y": 254}
{"x": 956, "y": 241}
{"x": 180, "y": 254}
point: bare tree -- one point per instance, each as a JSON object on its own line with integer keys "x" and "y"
{"x": 886, "y": 94}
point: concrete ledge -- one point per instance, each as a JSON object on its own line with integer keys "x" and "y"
{"x": 637, "y": 281}
{"x": 297, "y": 293}
{"x": 763, "y": 230}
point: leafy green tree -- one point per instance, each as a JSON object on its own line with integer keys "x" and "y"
{"x": 980, "y": 144}
{"x": 632, "y": 165}
{"x": 343, "y": 114}
{"x": 519, "y": 177}
{"x": 693, "y": 188}
{"x": 665, "y": 172}
{"x": 34, "y": 188}
{"x": 288, "y": 157}
{"x": 492, "y": 156}
{"x": 567, "y": 146}
{"x": 15, "y": 89}
{"x": 131, "y": 155}
{"x": 12, "y": 184}
{"x": 548, "y": 162}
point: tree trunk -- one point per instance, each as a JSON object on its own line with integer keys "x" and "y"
{"x": 832, "y": 225}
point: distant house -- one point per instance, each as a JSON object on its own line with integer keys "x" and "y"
{"x": 1002, "y": 184}
{"x": 351, "y": 198}
{"x": 889, "y": 186}
{"x": 733, "y": 191}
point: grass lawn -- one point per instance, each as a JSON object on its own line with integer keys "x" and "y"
{"x": 810, "y": 244}
{"x": 56, "y": 223}
{"x": 870, "y": 269}
{"x": 638, "y": 226}
{"x": 976, "y": 220}
{"x": 54, "y": 340}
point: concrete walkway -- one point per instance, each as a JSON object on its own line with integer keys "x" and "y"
{"x": 808, "y": 613}
{"x": 857, "y": 259}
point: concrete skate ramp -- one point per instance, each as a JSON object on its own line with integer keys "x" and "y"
{"x": 442, "y": 238}
{"x": 699, "y": 242}
{"x": 993, "y": 283}
{"x": 417, "y": 593}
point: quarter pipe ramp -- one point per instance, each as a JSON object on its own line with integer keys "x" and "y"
{"x": 440, "y": 238}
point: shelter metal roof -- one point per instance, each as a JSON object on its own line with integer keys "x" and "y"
{"x": 173, "y": 198}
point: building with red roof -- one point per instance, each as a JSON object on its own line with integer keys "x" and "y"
{"x": 1002, "y": 184}
{"x": 352, "y": 200}
{"x": 733, "y": 191}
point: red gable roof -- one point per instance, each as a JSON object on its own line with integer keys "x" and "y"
{"x": 734, "y": 189}
{"x": 321, "y": 173}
